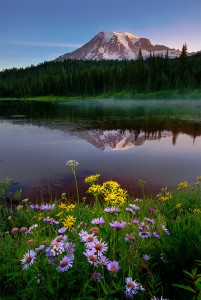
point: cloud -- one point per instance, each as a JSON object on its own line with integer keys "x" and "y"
{"x": 45, "y": 44}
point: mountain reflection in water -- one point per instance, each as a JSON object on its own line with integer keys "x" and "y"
{"x": 162, "y": 140}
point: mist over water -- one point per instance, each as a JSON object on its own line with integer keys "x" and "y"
{"x": 124, "y": 140}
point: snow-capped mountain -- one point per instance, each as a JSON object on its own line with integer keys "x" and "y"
{"x": 118, "y": 140}
{"x": 117, "y": 45}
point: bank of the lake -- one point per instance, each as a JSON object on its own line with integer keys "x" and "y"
{"x": 160, "y": 95}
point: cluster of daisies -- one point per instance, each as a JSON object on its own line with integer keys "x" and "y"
{"x": 60, "y": 246}
{"x": 95, "y": 251}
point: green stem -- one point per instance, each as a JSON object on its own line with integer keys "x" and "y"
{"x": 78, "y": 199}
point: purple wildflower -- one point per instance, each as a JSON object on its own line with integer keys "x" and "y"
{"x": 112, "y": 210}
{"x": 131, "y": 286}
{"x": 143, "y": 226}
{"x": 132, "y": 208}
{"x": 103, "y": 260}
{"x": 135, "y": 221}
{"x": 28, "y": 259}
{"x": 50, "y": 220}
{"x": 128, "y": 294}
{"x": 47, "y": 207}
{"x": 156, "y": 235}
{"x": 34, "y": 207}
{"x": 152, "y": 210}
{"x": 98, "y": 221}
{"x": 146, "y": 257}
{"x": 40, "y": 248}
{"x": 117, "y": 225}
{"x": 65, "y": 264}
{"x": 113, "y": 266}
{"x": 145, "y": 235}
{"x": 62, "y": 230}
{"x": 70, "y": 247}
{"x": 165, "y": 230}
{"x": 91, "y": 257}
{"x": 99, "y": 246}
{"x": 129, "y": 237}
{"x": 96, "y": 276}
{"x": 149, "y": 220}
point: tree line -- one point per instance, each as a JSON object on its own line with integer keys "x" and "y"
{"x": 92, "y": 78}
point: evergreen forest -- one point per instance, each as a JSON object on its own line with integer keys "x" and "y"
{"x": 74, "y": 78}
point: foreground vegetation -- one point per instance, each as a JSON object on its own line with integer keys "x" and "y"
{"x": 116, "y": 247}
{"x": 156, "y": 77}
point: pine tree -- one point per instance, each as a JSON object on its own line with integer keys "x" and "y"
{"x": 140, "y": 56}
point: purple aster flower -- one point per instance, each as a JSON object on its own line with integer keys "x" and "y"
{"x": 35, "y": 207}
{"x": 99, "y": 246}
{"x": 62, "y": 230}
{"x": 84, "y": 235}
{"x": 113, "y": 266}
{"x": 40, "y": 248}
{"x": 145, "y": 235}
{"x": 132, "y": 208}
{"x": 149, "y": 220}
{"x": 135, "y": 221}
{"x": 28, "y": 259}
{"x": 55, "y": 248}
{"x": 129, "y": 237}
{"x": 70, "y": 247}
{"x": 146, "y": 257}
{"x": 59, "y": 239}
{"x": 98, "y": 221}
{"x": 152, "y": 210}
{"x": 52, "y": 260}
{"x": 131, "y": 286}
{"x": 128, "y": 294}
{"x": 143, "y": 226}
{"x": 47, "y": 207}
{"x": 165, "y": 230}
{"x": 156, "y": 235}
{"x": 91, "y": 257}
{"x": 65, "y": 264}
{"x": 117, "y": 225}
{"x": 50, "y": 220}
{"x": 112, "y": 210}
{"x": 96, "y": 276}
{"x": 103, "y": 260}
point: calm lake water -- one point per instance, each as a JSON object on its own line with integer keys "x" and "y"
{"x": 124, "y": 140}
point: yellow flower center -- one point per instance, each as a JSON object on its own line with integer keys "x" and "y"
{"x": 130, "y": 285}
{"x": 98, "y": 247}
{"x": 64, "y": 263}
{"x": 28, "y": 259}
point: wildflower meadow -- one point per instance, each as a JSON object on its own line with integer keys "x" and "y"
{"x": 109, "y": 245}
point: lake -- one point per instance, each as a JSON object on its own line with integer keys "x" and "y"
{"x": 158, "y": 141}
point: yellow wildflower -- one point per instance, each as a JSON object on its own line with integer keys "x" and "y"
{"x": 93, "y": 179}
{"x": 183, "y": 185}
{"x": 197, "y": 211}
{"x": 69, "y": 222}
{"x": 179, "y": 206}
{"x": 70, "y": 207}
{"x": 164, "y": 195}
{"x": 62, "y": 205}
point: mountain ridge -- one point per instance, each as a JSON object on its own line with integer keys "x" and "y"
{"x": 118, "y": 45}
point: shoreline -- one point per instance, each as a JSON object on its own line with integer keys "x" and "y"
{"x": 161, "y": 95}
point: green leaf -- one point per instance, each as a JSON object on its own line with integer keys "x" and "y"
{"x": 188, "y": 288}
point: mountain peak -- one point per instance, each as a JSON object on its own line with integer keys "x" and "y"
{"x": 117, "y": 45}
